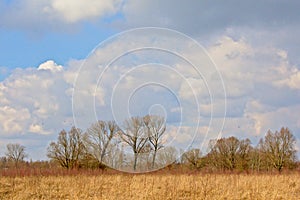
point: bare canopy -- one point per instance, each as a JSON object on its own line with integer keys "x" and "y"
{"x": 16, "y": 153}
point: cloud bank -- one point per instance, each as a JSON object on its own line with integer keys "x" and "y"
{"x": 261, "y": 85}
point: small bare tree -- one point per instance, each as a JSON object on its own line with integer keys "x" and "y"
{"x": 99, "y": 140}
{"x": 68, "y": 149}
{"x": 166, "y": 156}
{"x": 192, "y": 158}
{"x": 279, "y": 148}
{"x": 156, "y": 128}
{"x": 134, "y": 135}
{"x": 16, "y": 153}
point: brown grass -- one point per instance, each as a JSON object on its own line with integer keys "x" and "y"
{"x": 152, "y": 186}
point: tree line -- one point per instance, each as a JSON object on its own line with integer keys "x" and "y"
{"x": 275, "y": 151}
{"x": 140, "y": 146}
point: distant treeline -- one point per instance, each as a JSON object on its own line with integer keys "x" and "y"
{"x": 140, "y": 146}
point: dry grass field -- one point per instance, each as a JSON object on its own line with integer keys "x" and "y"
{"x": 152, "y": 186}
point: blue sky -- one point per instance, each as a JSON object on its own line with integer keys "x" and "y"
{"x": 43, "y": 43}
{"x": 20, "y": 49}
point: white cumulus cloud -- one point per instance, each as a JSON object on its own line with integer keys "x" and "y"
{"x": 50, "y": 65}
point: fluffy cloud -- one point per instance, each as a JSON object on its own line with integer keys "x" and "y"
{"x": 261, "y": 87}
{"x": 293, "y": 81}
{"x": 274, "y": 120}
{"x": 13, "y": 120}
{"x": 35, "y": 128}
{"x": 51, "y": 66}
{"x": 54, "y": 14}
{"x": 239, "y": 62}
{"x": 75, "y": 11}
{"x": 34, "y": 100}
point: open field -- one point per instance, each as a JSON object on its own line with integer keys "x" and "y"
{"x": 152, "y": 186}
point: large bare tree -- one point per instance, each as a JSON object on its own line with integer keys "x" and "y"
{"x": 135, "y": 136}
{"x": 16, "y": 153}
{"x": 229, "y": 153}
{"x": 100, "y": 140}
{"x": 68, "y": 149}
{"x": 279, "y": 148}
{"x": 156, "y": 128}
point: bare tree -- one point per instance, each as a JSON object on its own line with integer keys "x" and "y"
{"x": 229, "y": 153}
{"x": 99, "y": 140}
{"x": 192, "y": 158}
{"x": 244, "y": 154}
{"x": 166, "y": 156}
{"x": 223, "y": 153}
{"x": 256, "y": 161}
{"x": 134, "y": 135}
{"x": 116, "y": 157}
{"x": 156, "y": 128}
{"x": 3, "y": 162}
{"x": 279, "y": 148}
{"x": 16, "y": 153}
{"x": 68, "y": 149}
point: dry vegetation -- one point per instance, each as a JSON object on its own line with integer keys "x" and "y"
{"x": 232, "y": 169}
{"x": 152, "y": 186}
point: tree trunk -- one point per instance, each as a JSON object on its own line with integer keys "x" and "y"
{"x": 135, "y": 161}
{"x": 153, "y": 159}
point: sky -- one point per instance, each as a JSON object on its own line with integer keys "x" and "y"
{"x": 214, "y": 68}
